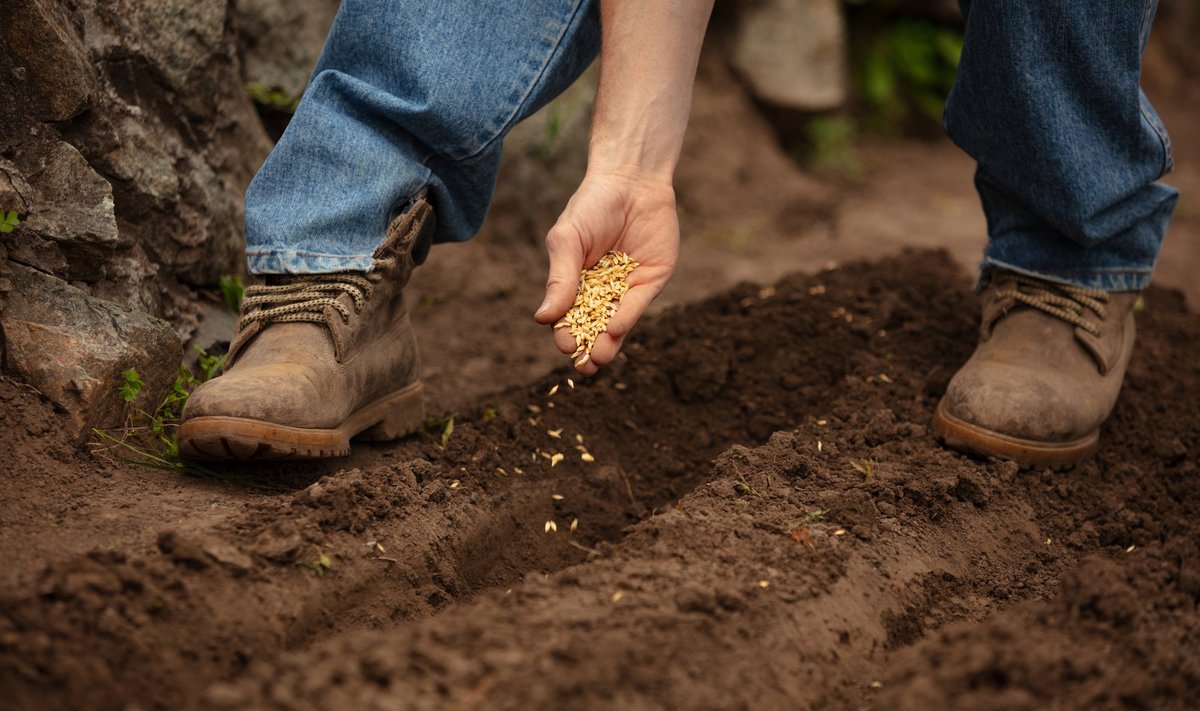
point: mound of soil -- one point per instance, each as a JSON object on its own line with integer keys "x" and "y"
{"x": 832, "y": 556}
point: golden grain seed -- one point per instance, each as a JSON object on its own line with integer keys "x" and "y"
{"x": 764, "y": 583}
{"x": 454, "y": 484}
{"x": 551, "y": 526}
{"x": 552, "y": 391}
{"x": 574, "y": 525}
{"x": 534, "y": 409}
{"x": 556, "y": 459}
{"x": 579, "y": 438}
{"x": 586, "y": 357}
{"x": 570, "y": 383}
{"x": 822, "y": 423}
{"x": 556, "y": 434}
{"x": 616, "y": 597}
{"x": 518, "y": 470}
{"x": 501, "y": 472}
{"x": 587, "y": 457}
{"x": 557, "y": 497}
{"x": 884, "y": 378}
{"x": 820, "y": 447}
{"x": 840, "y": 532}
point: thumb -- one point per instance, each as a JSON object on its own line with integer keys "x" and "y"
{"x": 566, "y": 261}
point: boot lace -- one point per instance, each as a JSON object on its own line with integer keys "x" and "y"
{"x": 304, "y": 298}
{"x": 1069, "y": 303}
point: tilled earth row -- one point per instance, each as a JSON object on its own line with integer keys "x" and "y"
{"x": 833, "y": 556}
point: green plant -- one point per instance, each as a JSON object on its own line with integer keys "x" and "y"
{"x": 272, "y": 97}
{"x": 438, "y": 429}
{"x": 812, "y": 517}
{"x": 232, "y": 290}
{"x": 866, "y": 467}
{"x": 831, "y": 146}
{"x": 904, "y": 67}
{"x": 132, "y": 385}
{"x": 8, "y": 221}
{"x": 152, "y": 435}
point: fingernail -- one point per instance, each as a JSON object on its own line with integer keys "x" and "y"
{"x": 544, "y": 307}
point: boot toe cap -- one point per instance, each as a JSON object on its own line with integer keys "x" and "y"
{"x": 277, "y": 397}
{"x": 1016, "y": 403}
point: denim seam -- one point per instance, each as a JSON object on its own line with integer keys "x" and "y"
{"x": 297, "y": 253}
{"x": 507, "y": 124}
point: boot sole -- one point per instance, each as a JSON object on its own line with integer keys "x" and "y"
{"x": 964, "y": 436}
{"x": 242, "y": 439}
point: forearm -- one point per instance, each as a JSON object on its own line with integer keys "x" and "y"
{"x": 648, "y": 63}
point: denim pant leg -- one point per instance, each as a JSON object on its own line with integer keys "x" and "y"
{"x": 1047, "y": 100}
{"x": 407, "y": 95}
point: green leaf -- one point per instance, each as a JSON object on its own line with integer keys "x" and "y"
{"x": 232, "y": 290}
{"x": 132, "y": 386}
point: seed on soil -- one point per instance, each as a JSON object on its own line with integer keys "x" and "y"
{"x": 616, "y": 597}
{"x": 877, "y": 685}
{"x": 766, "y": 292}
{"x": 557, "y": 497}
{"x": 620, "y": 386}
{"x": 570, "y": 383}
{"x": 816, "y": 290}
{"x": 501, "y": 472}
{"x": 455, "y": 484}
{"x": 764, "y": 583}
{"x": 820, "y": 447}
{"x": 551, "y": 527}
{"x": 574, "y": 524}
{"x": 883, "y": 377}
{"x": 579, "y": 438}
{"x": 587, "y": 457}
{"x": 600, "y": 290}
{"x": 552, "y": 391}
{"x": 518, "y": 470}
{"x": 556, "y": 459}
{"x": 556, "y": 434}
{"x": 822, "y": 423}
{"x": 1130, "y": 549}
{"x": 534, "y": 409}
{"x": 840, "y": 532}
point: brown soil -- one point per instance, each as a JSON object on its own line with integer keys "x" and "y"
{"x": 833, "y": 556}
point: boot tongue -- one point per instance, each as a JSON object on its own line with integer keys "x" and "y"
{"x": 1008, "y": 297}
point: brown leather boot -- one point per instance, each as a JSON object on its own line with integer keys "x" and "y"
{"x": 317, "y": 360}
{"x": 1045, "y": 374}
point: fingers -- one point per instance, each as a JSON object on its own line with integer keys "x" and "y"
{"x": 633, "y": 304}
{"x": 566, "y": 261}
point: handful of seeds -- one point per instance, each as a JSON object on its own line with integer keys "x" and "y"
{"x": 600, "y": 292}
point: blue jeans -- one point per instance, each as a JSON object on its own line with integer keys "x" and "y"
{"x": 408, "y": 95}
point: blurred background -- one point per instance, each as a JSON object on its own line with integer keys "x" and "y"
{"x": 128, "y": 132}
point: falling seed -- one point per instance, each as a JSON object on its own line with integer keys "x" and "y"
{"x": 1130, "y": 549}
{"x": 620, "y": 386}
{"x": 550, "y": 405}
{"x": 556, "y": 459}
{"x": 764, "y": 583}
{"x": 586, "y": 357}
{"x": 534, "y": 409}
{"x": 556, "y": 434}
{"x": 616, "y": 597}
{"x": 840, "y": 532}
{"x": 883, "y": 377}
{"x": 579, "y": 438}
{"x": 820, "y": 447}
{"x": 454, "y": 484}
{"x": 587, "y": 457}
{"x": 518, "y": 470}
{"x": 552, "y": 391}
{"x": 574, "y": 524}
{"x": 557, "y": 497}
{"x": 531, "y": 421}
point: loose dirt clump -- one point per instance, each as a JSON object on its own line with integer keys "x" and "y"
{"x": 767, "y": 522}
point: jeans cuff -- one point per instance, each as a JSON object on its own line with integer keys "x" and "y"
{"x": 1106, "y": 279}
{"x": 287, "y": 261}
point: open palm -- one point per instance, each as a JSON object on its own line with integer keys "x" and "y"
{"x": 611, "y": 212}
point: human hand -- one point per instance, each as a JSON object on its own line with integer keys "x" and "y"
{"x": 619, "y": 211}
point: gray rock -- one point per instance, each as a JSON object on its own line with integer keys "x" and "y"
{"x": 73, "y": 206}
{"x": 73, "y": 348}
{"x": 792, "y": 53}
{"x": 43, "y": 38}
{"x": 281, "y": 39}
